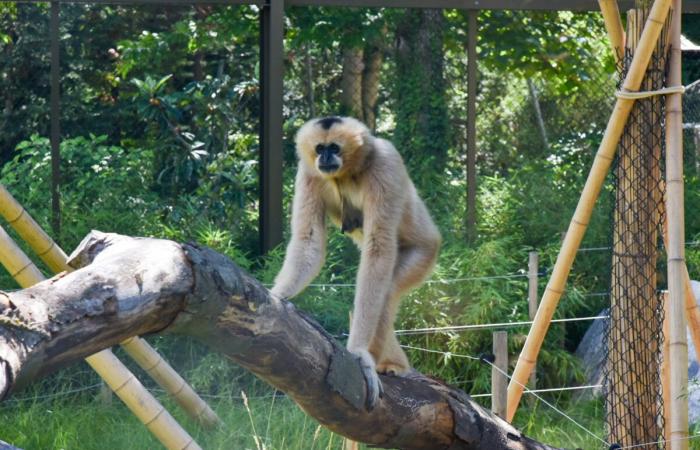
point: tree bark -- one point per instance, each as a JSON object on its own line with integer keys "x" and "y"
{"x": 351, "y": 82}
{"x": 129, "y": 286}
{"x": 420, "y": 90}
{"x": 370, "y": 85}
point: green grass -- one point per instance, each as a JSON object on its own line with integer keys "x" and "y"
{"x": 82, "y": 421}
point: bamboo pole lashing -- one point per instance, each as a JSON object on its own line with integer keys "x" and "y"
{"x": 678, "y": 352}
{"x": 613, "y": 25}
{"x": 141, "y": 403}
{"x": 579, "y": 222}
{"x": 144, "y": 355}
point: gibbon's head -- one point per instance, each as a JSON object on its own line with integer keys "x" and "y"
{"x": 333, "y": 146}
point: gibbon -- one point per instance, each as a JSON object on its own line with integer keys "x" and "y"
{"x": 360, "y": 182}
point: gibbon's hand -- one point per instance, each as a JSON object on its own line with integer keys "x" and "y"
{"x": 375, "y": 390}
{"x": 275, "y": 293}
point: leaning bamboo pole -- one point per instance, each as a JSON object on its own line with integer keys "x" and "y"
{"x": 676, "y": 243}
{"x": 144, "y": 406}
{"x": 144, "y": 355}
{"x": 613, "y": 24}
{"x": 168, "y": 379}
{"x": 579, "y": 222}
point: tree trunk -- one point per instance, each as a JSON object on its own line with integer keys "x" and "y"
{"x": 351, "y": 82}
{"x": 370, "y": 86}
{"x": 421, "y": 102}
{"x": 131, "y": 286}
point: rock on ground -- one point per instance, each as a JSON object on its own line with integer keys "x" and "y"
{"x": 591, "y": 351}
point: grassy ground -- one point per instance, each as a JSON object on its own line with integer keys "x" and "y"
{"x": 81, "y": 421}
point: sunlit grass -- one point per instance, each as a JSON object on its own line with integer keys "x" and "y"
{"x": 267, "y": 422}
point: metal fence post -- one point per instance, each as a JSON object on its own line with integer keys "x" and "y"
{"x": 499, "y": 382}
{"x": 471, "y": 125}
{"x": 271, "y": 121}
{"x": 533, "y": 300}
{"x": 55, "y": 105}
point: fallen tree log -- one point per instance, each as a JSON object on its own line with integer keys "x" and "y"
{"x": 128, "y": 286}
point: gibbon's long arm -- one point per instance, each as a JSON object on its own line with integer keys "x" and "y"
{"x": 382, "y": 213}
{"x": 307, "y": 248}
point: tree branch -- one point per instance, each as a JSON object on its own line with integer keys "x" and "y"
{"x": 131, "y": 286}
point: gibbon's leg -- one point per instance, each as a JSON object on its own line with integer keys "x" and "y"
{"x": 307, "y": 247}
{"x": 374, "y": 278}
{"x": 414, "y": 264}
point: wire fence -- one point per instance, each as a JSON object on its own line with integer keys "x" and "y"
{"x": 634, "y": 333}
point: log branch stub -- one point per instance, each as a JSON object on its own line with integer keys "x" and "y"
{"x": 126, "y": 286}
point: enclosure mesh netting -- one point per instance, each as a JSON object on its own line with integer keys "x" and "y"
{"x": 635, "y": 333}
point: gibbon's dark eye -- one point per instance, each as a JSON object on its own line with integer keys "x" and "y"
{"x": 334, "y": 148}
{"x": 319, "y": 149}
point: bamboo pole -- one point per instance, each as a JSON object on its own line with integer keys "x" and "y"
{"x": 666, "y": 367}
{"x": 144, "y": 355}
{"x": 579, "y": 222}
{"x": 613, "y": 24}
{"x": 691, "y": 306}
{"x": 113, "y": 372}
{"x": 167, "y": 378}
{"x": 676, "y": 240}
{"x": 635, "y": 327}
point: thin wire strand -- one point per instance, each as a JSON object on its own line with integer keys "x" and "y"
{"x": 498, "y": 369}
{"x": 54, "y": 394}
{"x": 448, "y": 354}
{"x": 431, "y": 330}
{"x": 484, "y": 278}
{"x": 437, "y": 281}
{"x": 563, "y": 414}
{"x": 662, "y": 441}
{"x": 541, "y": 391}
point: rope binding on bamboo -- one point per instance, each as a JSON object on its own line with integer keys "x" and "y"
{"x": 629, "y": 95}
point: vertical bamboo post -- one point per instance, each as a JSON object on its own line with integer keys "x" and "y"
{"x": 55, "y": 116}
{"x": 691, "y": 306}
{"x": 666, "y": 367}
{"x": 141, "y": 403}
{"x": 676, "y": 248}
{"x": 499, "y": 383}
{"x": 532, "y": 298}
{"x": 579, "y": 222}
{"x": 144, "y": 355}
{"x": 613, "y": 24}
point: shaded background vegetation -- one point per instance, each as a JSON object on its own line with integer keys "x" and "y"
{"x": 160, "y": 112}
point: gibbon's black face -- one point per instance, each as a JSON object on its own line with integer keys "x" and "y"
{"x": 328, "y": 160}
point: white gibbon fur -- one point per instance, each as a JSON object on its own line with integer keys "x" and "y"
{"x": 360, "y": 182}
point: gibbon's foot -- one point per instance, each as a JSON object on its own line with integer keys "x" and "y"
{"x": 375, "y": 390}
{"x": 394, "y": 369}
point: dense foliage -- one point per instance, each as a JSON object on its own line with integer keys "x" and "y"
{"x": 160, "y": 119}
